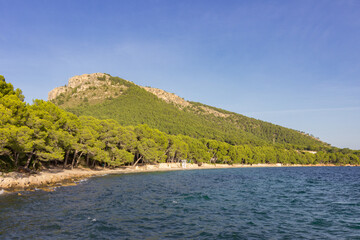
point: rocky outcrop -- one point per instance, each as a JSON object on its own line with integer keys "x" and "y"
{"x": 56, "y": 92}
{"x": 81, "y": 83}
{"x": 168, "y": 97}
{"x": 181, "y": 103}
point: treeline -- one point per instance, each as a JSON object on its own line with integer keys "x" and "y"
{"x": 137, "y": 106}
{"x": 41, "y": 134}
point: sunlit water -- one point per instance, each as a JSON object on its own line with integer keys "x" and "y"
{"x": 247, "y": 203}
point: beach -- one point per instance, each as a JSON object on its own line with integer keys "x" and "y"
{"x": 57, "y": 176}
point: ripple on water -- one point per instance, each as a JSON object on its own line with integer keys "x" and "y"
{"x": 252, "y": 203}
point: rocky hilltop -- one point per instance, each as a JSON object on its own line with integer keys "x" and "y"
{"x": 82, "y": 83}
{"x": 89, "y": 81}
{"x": 87, "y": 88}
{"x": 95, "y": 87}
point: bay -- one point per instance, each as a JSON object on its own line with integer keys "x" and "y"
{"x": 242, "y": 203}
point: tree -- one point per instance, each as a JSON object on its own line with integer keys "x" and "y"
{"x": 8, "y": 89}
{"x": 177, "y": 149}
{"x": 19, "y": 142}
{"x": 198, "y": 151}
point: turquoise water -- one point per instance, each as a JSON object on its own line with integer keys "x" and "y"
{"x": 248, "y": 203}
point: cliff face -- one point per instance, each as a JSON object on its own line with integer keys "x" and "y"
{"x": 56, "y": 92}
{"x": 81, "y": 83}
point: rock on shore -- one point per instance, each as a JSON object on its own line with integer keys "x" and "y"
{"x": 56, "y": 176}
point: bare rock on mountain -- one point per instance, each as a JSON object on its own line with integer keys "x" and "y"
{"x": 181, "y": 103}
{"x": 168, "y": 97}
{"x": 56, "y": 92}
{"x": 94, "y": 79}
{"x": 81, "y": 82}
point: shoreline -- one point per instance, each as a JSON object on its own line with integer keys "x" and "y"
{"x": 50, "y": 178}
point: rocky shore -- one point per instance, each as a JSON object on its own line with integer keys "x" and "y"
{"x": 14, "y": 181}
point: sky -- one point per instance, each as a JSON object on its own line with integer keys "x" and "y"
{"x": 292, "y": 63}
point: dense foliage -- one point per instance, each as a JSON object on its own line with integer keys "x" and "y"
{"x": 137, "y": 106}
{"x": 43, "y": 134}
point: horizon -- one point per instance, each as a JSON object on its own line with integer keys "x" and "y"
{"x": 291, "y": 64}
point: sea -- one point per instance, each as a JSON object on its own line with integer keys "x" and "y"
{"x": 237, "y": 203}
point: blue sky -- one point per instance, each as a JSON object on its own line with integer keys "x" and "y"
{"x": 292, "y": 63}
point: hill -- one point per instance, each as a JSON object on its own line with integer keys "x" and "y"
{"x": 42, "y": 134}
{"x": 107, "y": 97}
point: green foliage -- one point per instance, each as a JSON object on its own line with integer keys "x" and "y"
{"x": 120, "y": 81}
{"x": 137, "y": 106}
{"x": 8, "y": 89}
{"x": 31, "y": 135}
{"x": 103, "y": 78}
{"x": 74, "y": 90}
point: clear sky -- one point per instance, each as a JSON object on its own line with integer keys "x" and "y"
{"x": 292, "y": 63}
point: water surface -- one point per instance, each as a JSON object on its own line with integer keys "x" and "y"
{"x": 243, "y": 203}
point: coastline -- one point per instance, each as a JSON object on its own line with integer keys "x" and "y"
{"x": 50, "y": 178}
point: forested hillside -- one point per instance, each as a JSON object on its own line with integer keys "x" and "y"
{"x": 42, "y": 134}
{"x": 135, "y": 105}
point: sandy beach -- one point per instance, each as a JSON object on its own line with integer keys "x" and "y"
{"x": 52, "y": 177}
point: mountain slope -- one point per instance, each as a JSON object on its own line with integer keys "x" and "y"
{"x": 103, "y": 96}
